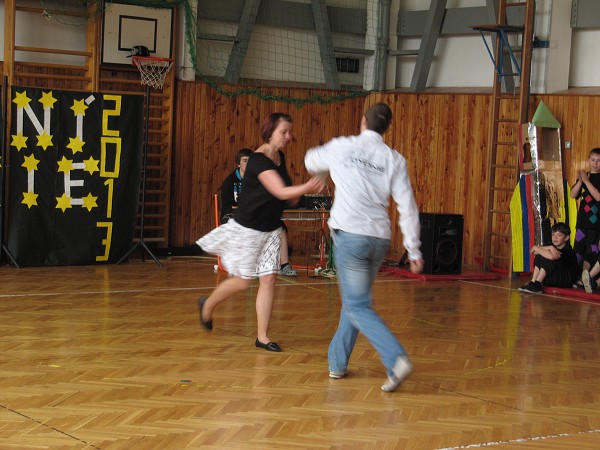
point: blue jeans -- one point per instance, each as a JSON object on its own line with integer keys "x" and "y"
{"x": 357, "y": 261}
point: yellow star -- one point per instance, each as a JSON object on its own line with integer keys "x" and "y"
{"x": 44, "y": 140}
{"x": 47, "y": 100}
{"x": 91, "y": 165}
{"x": 30, "y": 163}
{"x": 63, "y": 202}
{"x": 21, "y": 99}
{"x": 79, "y": 107}
{"x": 89, "y": 202}
{"x": 19, "y": 141}
{"x": 75, "y": 144}
{"x": 29, "y": 199}
{"x": 65, "y": 165}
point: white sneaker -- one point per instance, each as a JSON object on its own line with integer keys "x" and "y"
{"x": 288, "y": 271}
{"x": 337, "y": 375}
{"x": 401, "y": 370}
{"x": 589, "y": 284}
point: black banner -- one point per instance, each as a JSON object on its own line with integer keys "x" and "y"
{"x": 75, "y": 167}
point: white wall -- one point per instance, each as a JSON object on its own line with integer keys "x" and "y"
{"x": 585, "y": 59}
{"x": 33, "y": 30}
{"x": 459, "y": 61}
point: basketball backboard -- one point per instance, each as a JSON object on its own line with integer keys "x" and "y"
{"x": 126, "y": 26}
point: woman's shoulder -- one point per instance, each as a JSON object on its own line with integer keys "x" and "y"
{"x": 260, "y": 161}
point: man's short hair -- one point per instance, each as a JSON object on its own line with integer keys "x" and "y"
{"x": 241, "y": 154}
{"x": 595, "y": 151}
{"x": 378, "y": 117}
{"x": 561, "y": 227}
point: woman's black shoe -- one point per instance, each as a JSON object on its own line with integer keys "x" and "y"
{"x": 271, "y": 346}
{"x": 206, "y": 324}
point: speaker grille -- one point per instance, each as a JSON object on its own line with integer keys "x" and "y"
{"x": 441, "y": 243}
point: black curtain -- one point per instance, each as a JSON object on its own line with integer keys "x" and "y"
{"x": 74, "y": 179}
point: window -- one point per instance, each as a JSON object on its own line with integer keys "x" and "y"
{"x": 347, "y": 65}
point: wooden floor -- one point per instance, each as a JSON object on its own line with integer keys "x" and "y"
{"x": 112, "y": 357}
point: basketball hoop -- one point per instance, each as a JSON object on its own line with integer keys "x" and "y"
{"x": 153, "y": 69}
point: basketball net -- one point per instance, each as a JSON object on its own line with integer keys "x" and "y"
{"x": 153, "y": 69}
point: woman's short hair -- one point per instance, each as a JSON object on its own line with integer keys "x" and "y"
{"x": 378, "y": 117}
{"x": 270, "y": 123}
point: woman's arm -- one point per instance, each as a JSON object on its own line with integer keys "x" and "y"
{"x": 273, "y": 183}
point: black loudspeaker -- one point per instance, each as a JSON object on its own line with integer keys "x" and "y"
{"x": 441, "y": 243}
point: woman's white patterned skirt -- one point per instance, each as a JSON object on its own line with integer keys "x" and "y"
{"x": 244, "y": 252}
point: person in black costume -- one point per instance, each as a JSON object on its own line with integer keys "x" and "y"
{"x": 230, "y": 192}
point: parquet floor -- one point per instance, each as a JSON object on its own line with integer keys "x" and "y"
{"x": 112, "y": 357}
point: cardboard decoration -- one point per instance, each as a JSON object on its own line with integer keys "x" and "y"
{"x": 541, "y": 197}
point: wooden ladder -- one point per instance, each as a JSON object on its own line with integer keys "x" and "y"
{"x": 510, "y": 103}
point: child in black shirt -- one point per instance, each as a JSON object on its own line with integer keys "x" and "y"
{"x": 556, "y": 264}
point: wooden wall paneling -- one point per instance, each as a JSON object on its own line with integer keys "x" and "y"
{"x": 463, "y": 186}
{"x": 577, "y": 157}
{"x": 580, "y": 127}
{"x": 569, "y": 163}
{"x": 336, "y": 117}
{"x": 228, "y": 140}
{"x": 449, "y": 154}
{"x": 588, "y": 124}
{"x": 425, "y": 154}
{"x": 443, "y": 138}
{"x": 198, "y": 207}
{"x": 182, "y": 143}
{"x": 567, "y": 109}
{"x": 209, "y": 187}
{"x": 184, "y": 185}
{"x": 588, "y": 131}
{"x": 210, "y": 148}
{"x": 196, "y": 156}
{"x": 579, "y": 132}
{"x": 473, "y": 202}
{"x": 222, "y": 162}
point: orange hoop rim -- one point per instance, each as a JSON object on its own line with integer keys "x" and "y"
{"x": 150, "y": 58}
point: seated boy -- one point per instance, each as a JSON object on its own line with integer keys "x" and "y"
{"x": 556, "y": 264}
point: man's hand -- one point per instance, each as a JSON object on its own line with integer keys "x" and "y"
{"x": 416, "y": 265}
{"x": 315, "y": 184}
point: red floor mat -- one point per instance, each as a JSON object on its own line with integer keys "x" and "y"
{"x": 570, "y": 292}
{"x": 432, "y": 277}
